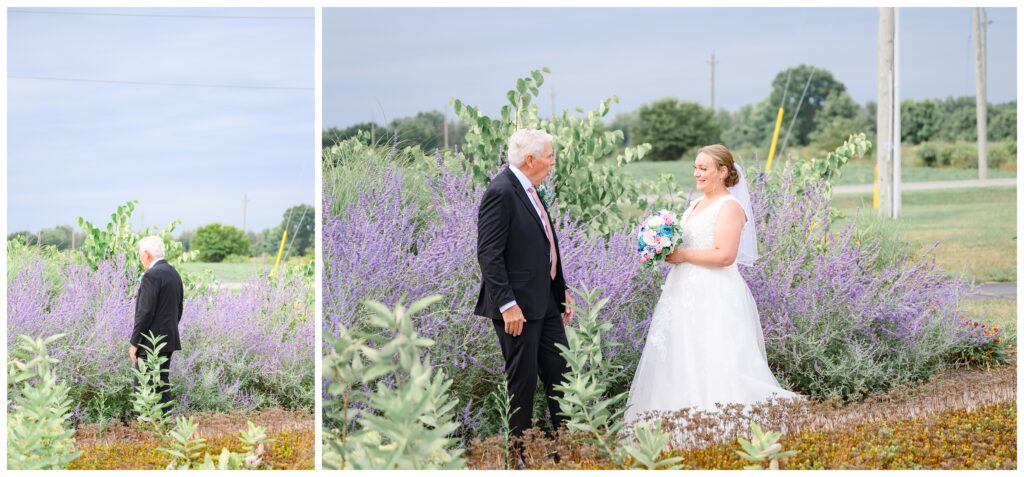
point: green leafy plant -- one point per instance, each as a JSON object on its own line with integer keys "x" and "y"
{"x": 186, "y": 449}
{"x": 119, "y": 240}
{"x": 343, "y": 368}
{"x": 38, "y": 434}
{"x": 407, "y": 417}
{"x": 184, "y": 446}
{"x": 502, "y": 401}
{"x": 651, "y": 441}
{"x": 151, "y": 413}
{"x": 829, "y": 168}
{"x": 592, "y": 416}
{"x": 762, "y": 447}
{"x": 588, "y": 156}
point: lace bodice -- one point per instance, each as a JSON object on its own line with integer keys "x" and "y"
{"x": 699, "y": 233}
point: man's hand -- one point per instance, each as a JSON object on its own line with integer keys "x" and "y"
{"x": 569, "y": 311}
{"x": 133, "y": 352}
{"x": 514, "y": 320}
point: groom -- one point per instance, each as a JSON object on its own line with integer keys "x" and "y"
{"x": 523, "y": 291}
{"x": 157, "y": 308}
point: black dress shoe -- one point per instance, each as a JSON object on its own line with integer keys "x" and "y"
{"x": 553, "y": 455}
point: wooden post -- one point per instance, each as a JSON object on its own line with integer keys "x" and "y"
{"x": 981, "y": 99}
{"x": 884, "y": 121}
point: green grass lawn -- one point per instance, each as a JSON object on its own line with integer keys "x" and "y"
{"x": 854, "y": 173}
{"x": 227, "y": 272}
{"x": 975, "y": 228}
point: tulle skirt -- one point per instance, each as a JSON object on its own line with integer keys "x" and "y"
{"x": 704, "y": 346}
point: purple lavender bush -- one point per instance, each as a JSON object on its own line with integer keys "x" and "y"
{"x": 241, "y": 350}
{"x": 836, "y": 322}
{"x": 385, "y": 246}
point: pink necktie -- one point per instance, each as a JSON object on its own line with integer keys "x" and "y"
{"x": 547, "y": 230}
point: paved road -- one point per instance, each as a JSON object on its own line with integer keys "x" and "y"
{"x": 1006, "y": 291}
{"x": 933, "y": 185}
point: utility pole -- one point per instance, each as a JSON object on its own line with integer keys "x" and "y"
{"x": 980, "y": 68}
{"x": 553, "y": 116}
{"x": 887, "y": 141}
{"x": 712, "y": 63}
{"x": 445, "y": 125}
{"x": 373, "y": 125}
{"x": 245, "y": 204}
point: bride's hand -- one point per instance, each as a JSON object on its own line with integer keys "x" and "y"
{"x": 677, "y": 256}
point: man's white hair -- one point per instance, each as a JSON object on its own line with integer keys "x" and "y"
{"x": 526, "y": 142}
{"x": 152, "y": 244}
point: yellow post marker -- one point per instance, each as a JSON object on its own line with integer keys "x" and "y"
{"x": 874, "y": 201}
{"x": 280, "y": 250}
{"x": 775, "y": 140}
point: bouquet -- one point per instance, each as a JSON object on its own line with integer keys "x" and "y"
{"x": 658, "y": 236}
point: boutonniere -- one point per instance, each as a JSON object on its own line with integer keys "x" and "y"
{"x": 547, "y": 195}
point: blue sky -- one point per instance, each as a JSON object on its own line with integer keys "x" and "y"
{"x": 395, "y": 62}
{"x": 189, "y": 153}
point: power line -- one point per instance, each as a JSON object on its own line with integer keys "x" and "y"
{"x": 153, "y": 15}
{"x": 156, "y": 83}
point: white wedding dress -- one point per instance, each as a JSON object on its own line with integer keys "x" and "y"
{"x": 705, "y": 343}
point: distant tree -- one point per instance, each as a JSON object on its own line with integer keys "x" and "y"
{"x": 265, "y": 242}
{"x": 425, "y": 129}
{"x": 673, "y": 127}
{"x": 838, "y": 119}
{"x": 752, "y": 125}
{"x": 625, "y": 122}
{"x": 300, "y": 222}
{"x": 821, "y": 85}
{"x": 216, "y": 241}
{"x": 1002, "y": 122}
{"x": 62, "y": 237}
{"x": 332, "y": 136}
{"x": 868, "y": 115}
{"x": 186, "y": 239}
{"x": 59, "y": 236}
{"x": 24, "y": 236}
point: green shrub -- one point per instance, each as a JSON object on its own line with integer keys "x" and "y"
{"x": 964, "y": 154}
{"x": 587, "y": 177}
{"x": 150, "y": 412}
{"x": 119, "y": 240}
{"x": 405, "y": 419}
{"x": 594, "y": 416}
{"x": 38, "y": 434}
{"x": 214, "y": 242}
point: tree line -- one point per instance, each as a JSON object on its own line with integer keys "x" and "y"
{"x": 819, "y": 112}
{"x": 215, "y": 242}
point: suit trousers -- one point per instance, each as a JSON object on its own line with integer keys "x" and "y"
{"x": 165, "y": 376}
{"x": 527, "y": 356}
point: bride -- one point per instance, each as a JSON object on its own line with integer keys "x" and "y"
{"x": 705, "y": 343}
